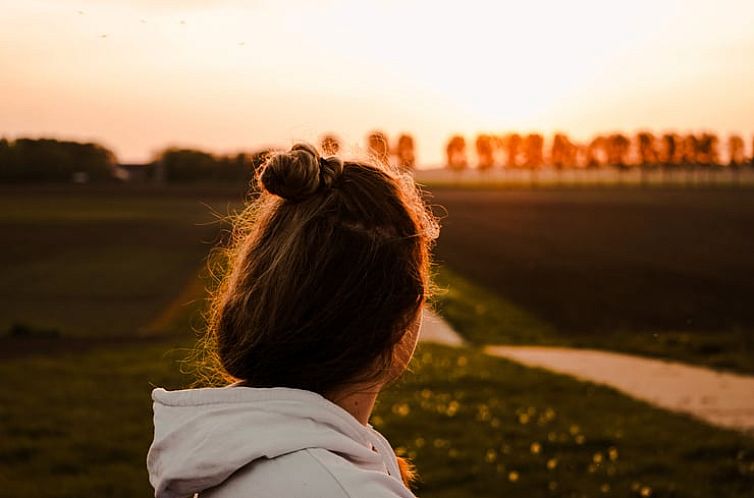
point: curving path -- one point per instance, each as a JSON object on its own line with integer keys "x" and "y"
{"x": 435, "y": 329}
{"x": 719, "y": 398}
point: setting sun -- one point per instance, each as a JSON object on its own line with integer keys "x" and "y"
{"x": 229, "y": 75}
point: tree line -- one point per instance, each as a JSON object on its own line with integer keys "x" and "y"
{"x": 191, "y": 165}
{"x": 177, "y": 165}
{"x": 644, "y": 149}
{"x": 28, "y": 160}
{"x": 379, "y": 147}
{"x": 46, "y": 160}
{"x": 49, "y": 160}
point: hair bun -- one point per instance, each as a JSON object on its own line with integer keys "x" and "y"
{"x": 293, "y": 175}
{"x": 330, "y": 168}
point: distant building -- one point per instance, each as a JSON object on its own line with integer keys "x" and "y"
{"x": 135, "y": 173}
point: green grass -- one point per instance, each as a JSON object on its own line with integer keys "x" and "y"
{"x": 77, "y": 422}
{"x": 484, "y": 317}
{"x": 90, "y": 263}
{"x": 479, "y": 426}
{"x": 79, "y": 425}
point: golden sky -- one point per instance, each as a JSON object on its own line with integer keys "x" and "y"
{"x": 229, "y": 74}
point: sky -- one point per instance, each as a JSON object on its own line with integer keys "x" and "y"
{"x": 229, "y": 75}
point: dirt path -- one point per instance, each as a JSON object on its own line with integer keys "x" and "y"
{"x": 719, "y": 398}
{"x": 435, "y": 329}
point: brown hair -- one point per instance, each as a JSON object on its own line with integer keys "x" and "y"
{"x": 328, "y": 268}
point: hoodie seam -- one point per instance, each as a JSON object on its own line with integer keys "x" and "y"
{"x": 326, "y": 469}
{"x": 179, "y": 400}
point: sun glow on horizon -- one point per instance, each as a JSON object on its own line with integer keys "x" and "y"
{"x": 228, "y": 75}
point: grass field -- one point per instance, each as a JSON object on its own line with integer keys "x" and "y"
{"x": 76, "y": 421}
{"x": 483, "y": 317}
{"x": 99, "y": 262}
{"x": 655, "y": 272}
{"x": 79, "y": 425}
{"x": 483, "y": 427}
{"x": 504, "y": 178}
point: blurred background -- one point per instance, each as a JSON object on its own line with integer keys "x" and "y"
{"x": 592, "y": 163}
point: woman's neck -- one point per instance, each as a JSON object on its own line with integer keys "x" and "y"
{"x": 359, "y": 401}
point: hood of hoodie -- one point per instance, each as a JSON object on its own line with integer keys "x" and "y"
{"x": 202, "y": 436}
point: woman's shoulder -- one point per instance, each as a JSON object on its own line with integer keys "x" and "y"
{"x": 311, "y": 473}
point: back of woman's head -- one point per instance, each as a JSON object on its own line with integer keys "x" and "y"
{"x": 329, "y": 268}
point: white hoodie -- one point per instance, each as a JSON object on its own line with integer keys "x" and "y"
{"x": 266, "y": 443}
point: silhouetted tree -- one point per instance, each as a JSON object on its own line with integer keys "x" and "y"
{"x": 186, "y": 165}
{"x": 378, "y": 146}
{"x": 196, "y": 166}
{"x": 583, "y": 156}
{"x": 498, "y": 150}
{"x": 235, "y": 168}
{"x": 404, "y": 150}
{"x": 330, "y": 145}
{"x": 513, "y": 144}
{"x": 670, "y": 152}
{"x": 49, "y": 160}
{"x": 485, "y": 152}
{"x": 5, "y": 155}
{"x": 736, "y": 155}
{"x": 618, "y": 148}
{"x": 534, "y": 150}
{"x": 646, "y": 152}
{"x": 596, "y": 153}
{"x": 689, "y": 150}
{"x": 647, "y": 149}
{"x": 456, "y": 153}
{"x": 707, "y": 151}
{"x": 562, "y": 152}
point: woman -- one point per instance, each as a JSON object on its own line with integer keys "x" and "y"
{"x": 319, "y": 308}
